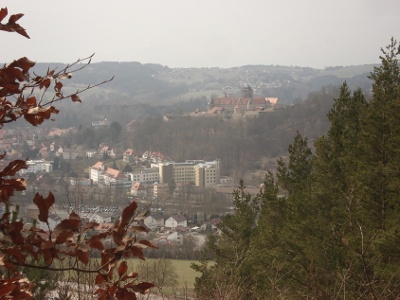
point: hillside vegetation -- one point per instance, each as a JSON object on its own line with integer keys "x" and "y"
{"x": 325, "y": 225}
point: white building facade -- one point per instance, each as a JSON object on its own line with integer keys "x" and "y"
{"x": 38, "y": 166}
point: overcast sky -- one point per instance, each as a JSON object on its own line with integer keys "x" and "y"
{"x": 204, "y": 33}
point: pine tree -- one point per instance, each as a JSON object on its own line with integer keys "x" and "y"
{"x": 357, "y": 183}
{"x": 379, "y": 175}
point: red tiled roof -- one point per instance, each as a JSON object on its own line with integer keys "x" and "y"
{"x": 238, "y": 101}
{"x": 273, "y": 101}
{"x": 138, "y": 186}
{"x": 97, "y": 166}
{"x": 110, "y": 172}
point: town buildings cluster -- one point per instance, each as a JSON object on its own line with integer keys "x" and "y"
{"x": 162, "y": 175}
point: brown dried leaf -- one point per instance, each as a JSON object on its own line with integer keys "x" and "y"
{"x": 100, "y": 278}
{"x": 58, "y": 86}
{"x": 24, "y": 63}
{"x": 31, "y": 102}
{"x": 83, "y": 256}
{"x": 14, "y": 229}
{"x": 45, "y": 83}
{"x": 143, "y": 287}
{"x": 97, "y": 244}
{"x": 16, "y": 253}
{"x": 47, "y": 245}
{"x": 102, "y": 294}
{"x": 123, "y": 294}
{"x": 3, "y": 13}
{"x": 44, "y": 204}
{"x": 72, "y": 223}
{"x": 136, "y": 251}
{"x": 63, "y": 236}
{"x": 37, "y": 115}
{"x": 123, "y": 267}
{"x": 127, "y": 214}
{"x": 14, "y": 18}
{"x": 13, "y": 167}
{"x": 75, "y": 98}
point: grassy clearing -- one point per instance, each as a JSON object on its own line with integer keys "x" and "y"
{"x": 186, "y": 275}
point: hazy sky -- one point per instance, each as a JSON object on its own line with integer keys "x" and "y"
{"x": 204, "y": 33}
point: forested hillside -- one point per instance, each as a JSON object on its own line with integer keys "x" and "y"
{"x": 326, "y": 224}
{"x": 243, "y": 146}
{"x": 140, "y": 90}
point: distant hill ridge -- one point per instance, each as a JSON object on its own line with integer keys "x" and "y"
{"x": 162, "y": 85}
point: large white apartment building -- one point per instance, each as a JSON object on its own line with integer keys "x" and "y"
{"x": 197, "y": 172}
{"x": 38, "y": 166}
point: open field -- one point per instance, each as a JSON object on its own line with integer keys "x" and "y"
{"x": 186, "y": 275}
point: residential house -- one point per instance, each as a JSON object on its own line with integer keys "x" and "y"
{"x": 101, "y": 174}
{"x": 175, "y": 238}
{"x": 91, "y": 153}
{"x": 129, "y": 156}
{"x": 153, "y": 156}
{"x": 175, "y": 221}
{"x": 108, "y": 151}
{"x": 154, "y": 221}
{"x": 211, "y": 225}
{"x": 138, "y": 189}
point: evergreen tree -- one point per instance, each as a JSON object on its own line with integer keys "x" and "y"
{"x": 267, "y": 264}
{"x": 331, "y": 229}
{"x": 336, "y": 166}
{"x": 226, "y": 279}
{"x": 357, "y": 185}
{"x": 379, "y": 176}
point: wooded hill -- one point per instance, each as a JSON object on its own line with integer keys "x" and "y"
{"x": 147, "y": 92}
{"x": 243, "y": 146}
{"x": 149, "y": 89}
